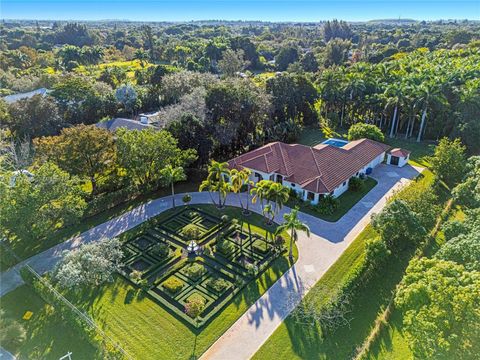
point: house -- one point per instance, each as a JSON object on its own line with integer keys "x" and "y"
{"x": 398, "y": 157}
{"x": 10, "y": 99}
{"x": 114, "y": 124}
{"x": 312, "y": 172}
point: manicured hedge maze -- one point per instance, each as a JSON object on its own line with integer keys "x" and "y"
{"x": 229, "y": 259}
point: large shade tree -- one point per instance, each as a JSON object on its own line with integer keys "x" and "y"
{"x": 144, "y": 153}
{"x": 441, "y": 309}
{"x": 32, "y": 208}
{"x": 86, "y": 151}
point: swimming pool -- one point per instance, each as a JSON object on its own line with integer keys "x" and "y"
{"x": 335, "y": 142}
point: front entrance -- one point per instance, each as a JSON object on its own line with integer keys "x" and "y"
{"x": 394, "y": 160}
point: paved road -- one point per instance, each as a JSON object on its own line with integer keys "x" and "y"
{"x": 317, "y": 254}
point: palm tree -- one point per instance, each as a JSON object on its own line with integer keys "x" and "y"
{"x": 260, "y": 192}
{"x": 142, "y": 56}
{"x": 279, "y": 194}
{"x": 292, "y": 224}
{"x": 428, "y": 95}
{"x": 217, "y": 171}
{"x": 170, "y": 176}
{"x": 268, "y": 213}
{"x": 238, "y": 179}
{"x": 394, "y": 96}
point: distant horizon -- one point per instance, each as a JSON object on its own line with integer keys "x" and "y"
{"x": 279, "y": 11}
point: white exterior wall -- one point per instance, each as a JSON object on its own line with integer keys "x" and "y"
{"x": 341, "y": 189}
{"x": 402, "y": 161}
{"x": 304, "y": 193}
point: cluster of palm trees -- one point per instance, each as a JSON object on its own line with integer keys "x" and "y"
{"x": 412, "y": 95}
{"x": 271, "y": 195}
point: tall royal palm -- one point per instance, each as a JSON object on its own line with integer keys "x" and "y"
{"x": 292, "y": 224}
{"x": 429, "y": 95}
{"x": 170, "y": 176}
{"x": 394, "y": 97}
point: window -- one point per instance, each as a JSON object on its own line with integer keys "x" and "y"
{"x": 293, "y": 185}
{"x": 310, "y": 196}
{"x": 356, "y": 174}
{"x": 345, "y": 183}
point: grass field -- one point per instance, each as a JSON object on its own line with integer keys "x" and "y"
{"x": 48, "y": 335}
{"x": 145, "y": 329}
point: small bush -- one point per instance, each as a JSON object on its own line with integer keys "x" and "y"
{"x": 327, "y": 205}
{"x": 224, "y": 246}
{"x": 218, "y": 284}
{"x": 173, "y": 285}
{"x": 195, "y": 306}
{"x": 355, "y": 184}
{"x": 191, "y": 232}
{"x": 136, "y": 276}
{"x": 195, "y": 271}
{"x": 161, "y": 250}
{"x": 186, "y": 198}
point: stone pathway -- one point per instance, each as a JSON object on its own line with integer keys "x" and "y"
{"x": 316, "y": 254}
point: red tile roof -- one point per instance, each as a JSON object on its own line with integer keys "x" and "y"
{"x": 320, "y": 169}
{"x": 399, "y": 152}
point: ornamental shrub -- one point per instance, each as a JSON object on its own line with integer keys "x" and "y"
{"x": 327, "y": 205}
{"x": 224, "y": 246}
{"x": 218, "y": 284}
{"x": 186, "y": 198}
{"x": 161, "y": 250}
{"x": 195, "y": 306}
{"x": 355, "y": 184}
{"x": 195, "y": 270}
{"x": 173, "y": 285}
{"x": 191, "y": 232}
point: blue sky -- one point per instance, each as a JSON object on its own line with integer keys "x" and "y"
{"x": 268, "y": 10}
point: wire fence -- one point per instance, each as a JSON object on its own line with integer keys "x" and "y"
{"x": 87, "y": 320}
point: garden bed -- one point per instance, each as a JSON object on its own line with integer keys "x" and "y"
{"x": 213, "y": 276}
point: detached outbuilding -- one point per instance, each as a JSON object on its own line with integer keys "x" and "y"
{"x": 398, "y": 157}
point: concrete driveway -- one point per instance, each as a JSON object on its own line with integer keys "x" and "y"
{"x": 316, "y": 254}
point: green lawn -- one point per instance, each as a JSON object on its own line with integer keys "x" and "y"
{"x": 26, "y": 249}
{"x": 420, "y": 151}
{"x": 311, "y": 136}
{"x": 345, "y": 202}
{"x": 144, "y": 328}
{"x": 48, "y": 335}
{"x": 293, "y": 340}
